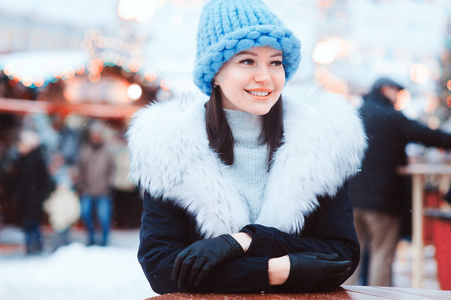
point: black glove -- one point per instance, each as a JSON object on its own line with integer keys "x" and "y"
{"x": 312, "y": 271}
{"x": 194, "y": 263}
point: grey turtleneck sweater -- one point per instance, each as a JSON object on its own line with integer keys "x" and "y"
{"x": 249, "y": 171}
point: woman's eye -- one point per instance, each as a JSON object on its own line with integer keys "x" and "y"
{"x": 247, "y": 61}
{"x": 276, "y": 63}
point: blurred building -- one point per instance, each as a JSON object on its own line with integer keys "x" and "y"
{"x": 79, "y": 58}
{"x": 49, "y": 25}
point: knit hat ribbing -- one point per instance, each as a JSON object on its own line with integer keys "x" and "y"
{"x": 227, "y": 27}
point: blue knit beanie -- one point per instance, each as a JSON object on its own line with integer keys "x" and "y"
{"x": 227, "y": 27}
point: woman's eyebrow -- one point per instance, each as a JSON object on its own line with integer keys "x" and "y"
{"x": 244, "y": 52}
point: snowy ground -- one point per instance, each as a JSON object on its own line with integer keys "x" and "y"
{"x": 76, "y": 272}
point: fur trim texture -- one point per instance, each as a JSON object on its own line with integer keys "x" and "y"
{"x": 324, "y": 143}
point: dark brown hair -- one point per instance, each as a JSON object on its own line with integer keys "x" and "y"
{"x": 221, "y": 138}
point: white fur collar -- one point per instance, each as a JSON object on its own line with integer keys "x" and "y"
{"x": 170, "y": 157}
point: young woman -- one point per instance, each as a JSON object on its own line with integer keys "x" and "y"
{"x": 246, "y": 192}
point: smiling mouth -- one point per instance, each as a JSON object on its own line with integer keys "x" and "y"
{"x": 259, "y": 93}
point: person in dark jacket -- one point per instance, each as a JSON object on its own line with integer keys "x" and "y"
{"x": 377, "y": 191}
{"x": 243, "y": 194}
{"x": 33, "y": 186}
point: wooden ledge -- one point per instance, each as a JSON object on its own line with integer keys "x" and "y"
{"x": 345, "y": 292}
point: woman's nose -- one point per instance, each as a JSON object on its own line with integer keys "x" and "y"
{"x": 262, "y": 74}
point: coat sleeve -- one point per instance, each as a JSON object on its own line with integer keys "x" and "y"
{"x": 166, "y": 230}
{"x": 417, "y": 132}
{"x": 328, "y": 230}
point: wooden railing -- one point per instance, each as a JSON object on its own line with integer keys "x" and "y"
{"x": 345, "y": 292}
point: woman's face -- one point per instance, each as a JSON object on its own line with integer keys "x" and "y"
{"x": 252, "y": 80}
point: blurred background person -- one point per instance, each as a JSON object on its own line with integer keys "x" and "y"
{"x": 63, "y": 205}
{"x": 377, "y": 192}
{"x": 68, "y": 140}
{"x": 95, "y": 180}
{"x": 33, "y": 185}
{"x": 7, "y": 122}
{"x": 126, "y": 197}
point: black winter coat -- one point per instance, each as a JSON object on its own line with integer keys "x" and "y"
{"x": 305, "y": 206}
{"x": 167, "y": 230}
{"x": 378, "y": 187}
{"x": 33, "y": 184}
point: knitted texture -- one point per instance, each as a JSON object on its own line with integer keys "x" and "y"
{"x": 227, "y": 27}
{"x": 249, "y": 171}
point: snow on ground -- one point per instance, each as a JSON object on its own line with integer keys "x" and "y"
{"x": 75, "y": 272}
